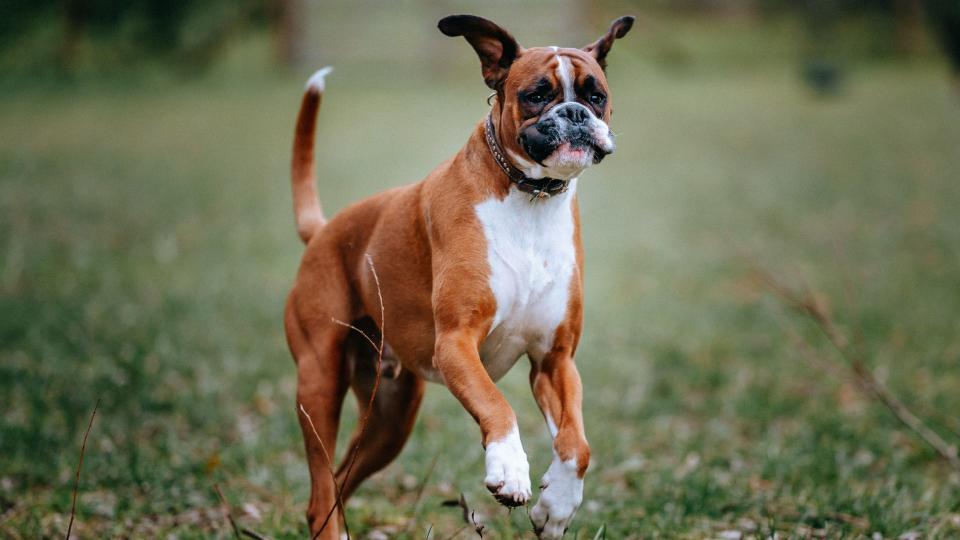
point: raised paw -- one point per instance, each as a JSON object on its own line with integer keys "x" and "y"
{"x": 508, "y": 474}
{"x": 561, "y": 492}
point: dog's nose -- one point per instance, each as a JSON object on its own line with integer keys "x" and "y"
{"x": 573, "y": 112}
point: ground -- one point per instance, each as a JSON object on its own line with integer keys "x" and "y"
{"x": 147, "y": 245}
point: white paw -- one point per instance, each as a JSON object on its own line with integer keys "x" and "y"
{"x": 508, "y": 473}
{"x": 561, "y": 493}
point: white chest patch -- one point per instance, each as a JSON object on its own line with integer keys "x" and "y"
{"x": 532, "y": 260}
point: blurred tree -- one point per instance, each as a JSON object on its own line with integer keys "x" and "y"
{"x": 898, "y": 22}
{"x": 73, "y": 19}
{"x": 908, "y": 25}
{"x": 189, "y": 34}
{"x": 896, "y": 27}
{"x": 289, "y": 17}
{"x": 821, "y": 69}
{"x": 944, "y": 16}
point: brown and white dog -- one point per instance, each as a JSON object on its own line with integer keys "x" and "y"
{"x": 478, "y": 264}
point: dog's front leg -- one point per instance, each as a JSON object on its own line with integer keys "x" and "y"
{"x": 556, "y": 387}
{"x": 507, "y": 471}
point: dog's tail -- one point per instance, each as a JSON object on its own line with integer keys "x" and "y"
{"x": 306, "y": 204}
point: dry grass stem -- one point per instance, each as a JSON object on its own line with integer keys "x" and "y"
{"x": 813, "y": 308}
{"x": 352, "y": 457}
{"x": 333, "y": 474}
{"x": 76, "y": 481}
{"x": 237, "y": 531}
{"x": 469, "y": 516}
{"x": 420, "y": 489}
{"x": 226, "y": 508}
{"x": 456, "y": 532}
{"x": 250, "y": 534}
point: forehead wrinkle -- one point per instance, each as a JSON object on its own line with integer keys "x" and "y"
{"x": 534, "y": 59}
{"x": 584, "y": 67}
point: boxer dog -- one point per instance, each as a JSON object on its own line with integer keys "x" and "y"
{"x": 461, "y": 274}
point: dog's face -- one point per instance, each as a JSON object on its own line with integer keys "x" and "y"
{"x": 553, "y": 104}
{"x": 556, "y": 110}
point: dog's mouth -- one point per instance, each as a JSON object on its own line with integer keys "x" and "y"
{"x": 570, "y": 155}
{"x": 576, "y": 146}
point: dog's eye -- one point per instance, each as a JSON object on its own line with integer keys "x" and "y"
{"x": 597, "y": 98}
{"x": 536, "y": 97}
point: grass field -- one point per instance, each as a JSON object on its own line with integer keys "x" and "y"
{"x": 147, "y": 244}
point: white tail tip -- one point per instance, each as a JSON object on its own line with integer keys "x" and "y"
{"x": 316, "y": 81}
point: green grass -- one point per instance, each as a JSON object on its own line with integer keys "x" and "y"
{"x": 147, "y": 245}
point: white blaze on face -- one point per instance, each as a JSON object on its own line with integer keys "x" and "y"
{"x": 565, "y": 75}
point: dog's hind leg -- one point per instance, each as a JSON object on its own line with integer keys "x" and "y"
{"x": 391, "y": 420}
{"x": 322, "y": 381}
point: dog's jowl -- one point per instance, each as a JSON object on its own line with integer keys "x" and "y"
{"x": 464, "y": 272}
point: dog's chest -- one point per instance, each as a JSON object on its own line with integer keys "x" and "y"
{"x": 532, "y": 258}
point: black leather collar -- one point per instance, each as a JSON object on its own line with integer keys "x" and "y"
{"x": 538, "y": 188}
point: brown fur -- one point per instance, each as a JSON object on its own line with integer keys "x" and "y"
{"x": 429, "y": 251}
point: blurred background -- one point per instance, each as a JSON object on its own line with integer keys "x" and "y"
{"x": 765, "y": 146}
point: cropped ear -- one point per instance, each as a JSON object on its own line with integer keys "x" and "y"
{"x": 601, "y": 47}
{"x": 495, "y": 46}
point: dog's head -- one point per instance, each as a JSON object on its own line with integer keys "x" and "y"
{"x": 553, "y": 104}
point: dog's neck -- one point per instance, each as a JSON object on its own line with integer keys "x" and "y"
{"x": 538, "y": 188}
